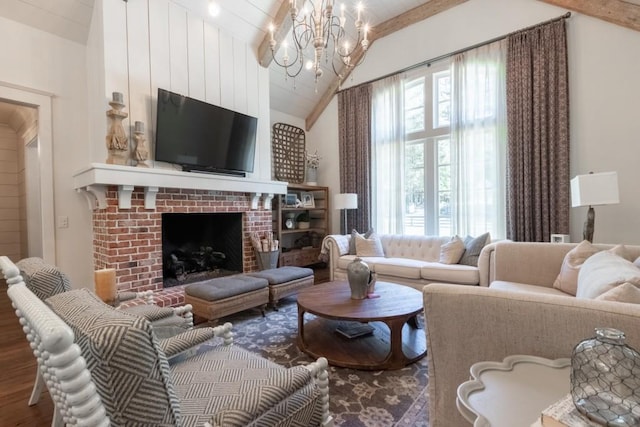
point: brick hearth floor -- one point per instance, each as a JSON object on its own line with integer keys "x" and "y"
{"x": 167, "y": 297}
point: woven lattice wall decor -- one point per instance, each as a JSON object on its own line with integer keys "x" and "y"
{"x": 287, "y": 153}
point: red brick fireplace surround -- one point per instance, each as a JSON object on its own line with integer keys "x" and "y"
{"x": 130, "y": 240}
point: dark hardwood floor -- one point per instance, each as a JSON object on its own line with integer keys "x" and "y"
{"x": 17, "y": 373}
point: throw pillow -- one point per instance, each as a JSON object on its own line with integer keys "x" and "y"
{"x": 451, "y": 252}
{"x": 627, "y": 292}
{"x": 369, "y": 247}
{"x": 621, "y": 251}
{"x": 472, "y": 248}
{"x": 567, "y": 280}
{"x": 604, "y": 271}
{"x": 637, "y": 262}
{"x": 352, "y": 241}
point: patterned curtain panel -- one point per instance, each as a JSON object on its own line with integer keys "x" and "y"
{"x": 538, "y": 133}
{"x": 354, "y": 122}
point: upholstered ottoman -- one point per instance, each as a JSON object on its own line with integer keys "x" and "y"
{"x": 285, "y": 281}
{"x": 216, "y": 298}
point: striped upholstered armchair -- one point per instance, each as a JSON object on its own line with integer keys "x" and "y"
{"x": 136, "y": 384}
{"x": 46, "y": 280}
{"x": 221, "y": 385}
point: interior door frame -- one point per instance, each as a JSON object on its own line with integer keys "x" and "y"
{"x": 42, "y": 101}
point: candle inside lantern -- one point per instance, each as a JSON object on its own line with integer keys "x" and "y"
{"x": 105, "y": 285}
{"x": 118, "y": 97}
{"x": 139, "y": 127}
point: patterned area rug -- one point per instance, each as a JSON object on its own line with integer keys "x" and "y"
{"x": 357, "y": 398}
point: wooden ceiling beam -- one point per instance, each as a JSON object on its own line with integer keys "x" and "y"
{"x": 619, "y": 12}
{"x": 390, "y": 26}
{"x": 282, "y": 25}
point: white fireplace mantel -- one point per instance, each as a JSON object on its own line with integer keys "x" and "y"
{"x": 94, "y": 180}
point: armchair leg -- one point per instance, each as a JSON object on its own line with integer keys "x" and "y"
{"x": 57, "y": 420}
{"x": 38, "y": 386}
{"x": 320, "y": 370}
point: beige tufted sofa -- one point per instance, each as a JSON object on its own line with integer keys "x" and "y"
{"x": 408, "y": 260}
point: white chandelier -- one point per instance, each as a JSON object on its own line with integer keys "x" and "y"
{"x": 319, "y": 35}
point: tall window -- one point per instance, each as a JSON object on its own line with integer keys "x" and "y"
{"x": 437, "y": 166}
{"x": 427, "y": 111}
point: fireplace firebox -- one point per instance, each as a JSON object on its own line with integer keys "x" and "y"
{"x": 200, "y": 246}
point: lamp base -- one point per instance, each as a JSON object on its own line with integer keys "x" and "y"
{"x": 589, "y": 224}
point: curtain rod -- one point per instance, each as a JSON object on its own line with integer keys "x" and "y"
{"x": 448, "y": 55}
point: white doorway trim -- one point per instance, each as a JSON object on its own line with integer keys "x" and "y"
{"x": 42, "y": 102}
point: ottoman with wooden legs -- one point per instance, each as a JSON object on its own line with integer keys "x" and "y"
{"x": 216, "y": 298}
{"x": 285, "y": 281}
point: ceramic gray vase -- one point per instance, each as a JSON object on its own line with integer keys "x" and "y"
{"x": 359, "y": 277}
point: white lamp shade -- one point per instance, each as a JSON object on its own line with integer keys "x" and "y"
{"x": 345, "y": 201}
{"x": 595, "y": 189}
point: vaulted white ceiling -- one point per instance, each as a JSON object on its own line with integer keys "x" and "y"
{"x": 247, "y": 20}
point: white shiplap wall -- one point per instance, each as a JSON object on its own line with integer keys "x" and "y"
{"x": 9, "y": 194}
{"x": 158, "y": 44}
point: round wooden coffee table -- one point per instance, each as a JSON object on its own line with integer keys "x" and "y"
{"x": 396, "y": 339}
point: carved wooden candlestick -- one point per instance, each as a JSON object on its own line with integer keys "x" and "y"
{"x": 142, "y": 153}
{"x": 117, "y": 141}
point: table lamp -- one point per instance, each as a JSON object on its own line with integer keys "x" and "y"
{"x": 594, "y": 189}
{"x": 345, "y": 201}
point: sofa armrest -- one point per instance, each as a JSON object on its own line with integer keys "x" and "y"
{"x": 533, "y": 263}
{"x": 335, "y": 245}
{"x": 466, "y": 324}
{"x": 486, "y": 264}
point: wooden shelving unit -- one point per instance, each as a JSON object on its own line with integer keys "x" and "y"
{"x": 301, "y": 246}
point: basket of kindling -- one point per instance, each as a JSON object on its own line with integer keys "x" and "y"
{"x": 267, "y": 250}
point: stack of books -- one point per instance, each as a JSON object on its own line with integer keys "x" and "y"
{"x": 354, "y": 330}
{"x": 563, "y": 413}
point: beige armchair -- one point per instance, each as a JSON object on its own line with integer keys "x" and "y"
{"x": 466, "y": 324}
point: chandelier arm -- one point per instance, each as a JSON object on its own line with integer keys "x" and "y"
{"x": 287, "y": 66}
{"x": 317, "y": 30}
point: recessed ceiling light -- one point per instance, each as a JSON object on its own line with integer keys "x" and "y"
{"x": 214, "y": 8}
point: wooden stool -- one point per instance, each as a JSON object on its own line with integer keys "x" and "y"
{"x": 285, "y": 281}
{"x": 216, "y": 298}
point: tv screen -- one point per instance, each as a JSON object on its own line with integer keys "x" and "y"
{"x": 202, "y": 136}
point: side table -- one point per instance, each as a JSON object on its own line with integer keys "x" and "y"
{"x": 512, "y": 392}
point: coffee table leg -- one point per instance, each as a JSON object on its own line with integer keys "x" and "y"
{"x": 413, "y": 322}
{"x": 396, "y": 358}
{"x": 301, "y": 344}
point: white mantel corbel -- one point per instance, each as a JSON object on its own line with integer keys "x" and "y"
{"x": 150, "y": 197}
{"x": 255, "y": 200}
{"x": 267, "y": 201}
{"x": 96, "y": 196}
{"x": 124, "y": 196}
{"x": 94, "y": 180}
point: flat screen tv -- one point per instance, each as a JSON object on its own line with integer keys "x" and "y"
{"x": 204, "y": 137}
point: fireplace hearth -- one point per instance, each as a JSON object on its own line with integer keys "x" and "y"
{"x": 200, "y": 246}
